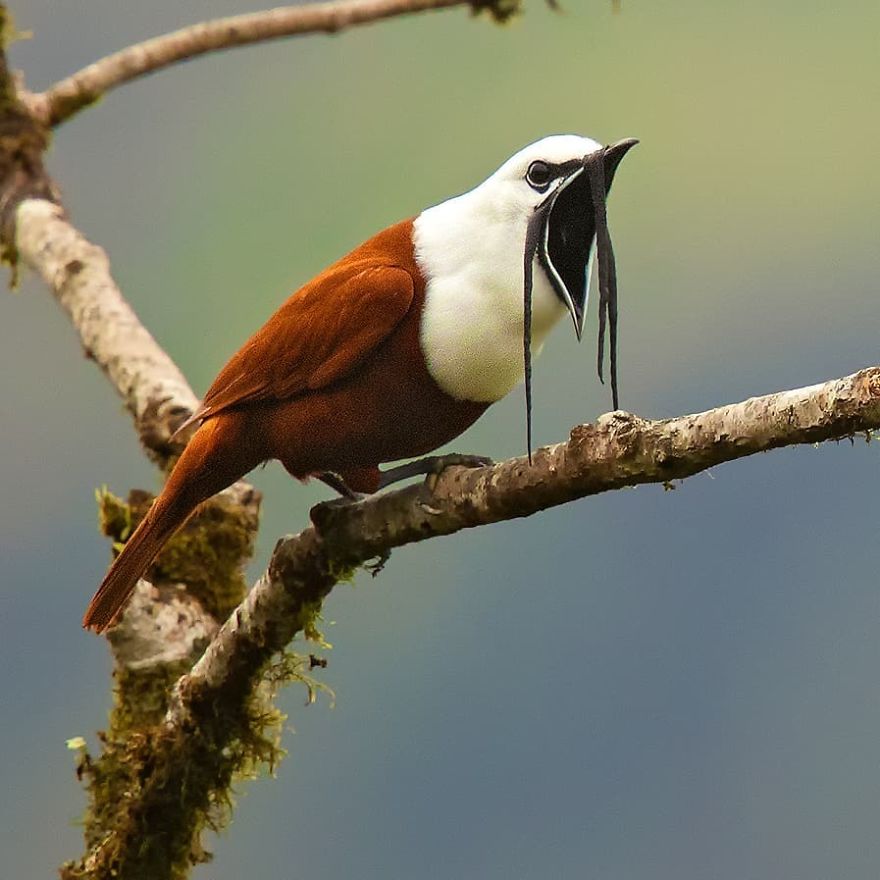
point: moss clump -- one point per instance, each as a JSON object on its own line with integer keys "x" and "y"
{"x": 9, "y": 33}
{"x": 341, "y": 572}
{"x": 140, "y": 696}
{"x": 309, "y": 618}
{"x": 155, "y": 789}
{"x": 114, "y": 517}
{"x": 207, "y": 554}
{"x": 140, "y": 701}
{"x": 290, "y": 666}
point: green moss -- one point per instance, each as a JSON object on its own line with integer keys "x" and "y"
{"x": 309, "y": 616}
{"x": 114, "y": 516}
{"x": 292, "y": 667}
{"x": 158, "y": 789}
{"x": 141, "y": 822}
{"x": 207, "y": 554}
{"x": 9, "y": 33}
{"x": 154, "y": 790}
{"x": 140, "y": 700}
{"x": 341, "y": 573}
{"x": 140, "y": 696}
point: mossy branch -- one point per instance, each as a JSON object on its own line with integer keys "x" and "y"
{"x": 619, "y": 450}
{"x": 216, "y": 722}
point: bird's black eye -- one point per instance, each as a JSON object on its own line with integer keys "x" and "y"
{"x": 539, "y": 175}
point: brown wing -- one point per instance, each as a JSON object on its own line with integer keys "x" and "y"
{"x": 322, "y": 333}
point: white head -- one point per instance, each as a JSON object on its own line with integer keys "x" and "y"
{"x": 509, "y": 192}
{"x": 504, "y": 261}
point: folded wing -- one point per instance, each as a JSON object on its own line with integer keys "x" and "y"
{"x": 321, "y": 334}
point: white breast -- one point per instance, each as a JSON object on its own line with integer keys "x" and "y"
{"x": 472, "y": 322}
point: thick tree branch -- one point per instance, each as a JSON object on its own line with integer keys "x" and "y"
{"x": 165, "y": 628}
{"x": 619, "y": 450}
{"x": 70, "y": 95}
{"x": 213, "y": 704}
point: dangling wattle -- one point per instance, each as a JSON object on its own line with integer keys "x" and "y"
{"x": 389, "y": 353}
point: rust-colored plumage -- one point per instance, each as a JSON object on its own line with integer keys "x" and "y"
{"x": 334, "y": 381}
{"x": 401, "y": 345}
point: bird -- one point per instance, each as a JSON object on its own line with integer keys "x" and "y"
{"x": 402, "y": 344}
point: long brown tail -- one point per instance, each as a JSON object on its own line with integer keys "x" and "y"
{"x": 211, "y": 461}
{"x": 131, "y": 564}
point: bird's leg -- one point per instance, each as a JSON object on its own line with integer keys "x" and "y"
{"x": 335, "y": 482}
{"x": 431, "y": 464}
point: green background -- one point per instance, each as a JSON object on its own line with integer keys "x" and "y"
{"x": 647, "y": 684}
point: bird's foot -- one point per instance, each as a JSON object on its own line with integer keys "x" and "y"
{"x": 432, "y": 466}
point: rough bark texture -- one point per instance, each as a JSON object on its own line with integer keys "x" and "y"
{"x": 619, "y": 450}
{"x": 214, "y": 709}
{"x": 23, "y": 140}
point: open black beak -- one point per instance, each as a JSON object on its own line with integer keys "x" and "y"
{"x": 569, "y": 233}
{"x": 562, "y": 232}
{"x": 612, "y": 155}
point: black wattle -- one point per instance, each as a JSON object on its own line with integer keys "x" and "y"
{"x": 595, "y": 167}
{"x": 533, "y": 237}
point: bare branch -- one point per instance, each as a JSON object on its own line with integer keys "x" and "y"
{"x": 619, "y": 450}
{"x": 78, "y": 273}
{"x": 77, "y": 91}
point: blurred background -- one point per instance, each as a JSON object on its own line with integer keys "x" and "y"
{"x": 647, "y": 684}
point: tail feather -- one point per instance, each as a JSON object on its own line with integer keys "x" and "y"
{"x": 214, "y": 458}
{"x": 132, "y": 563}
